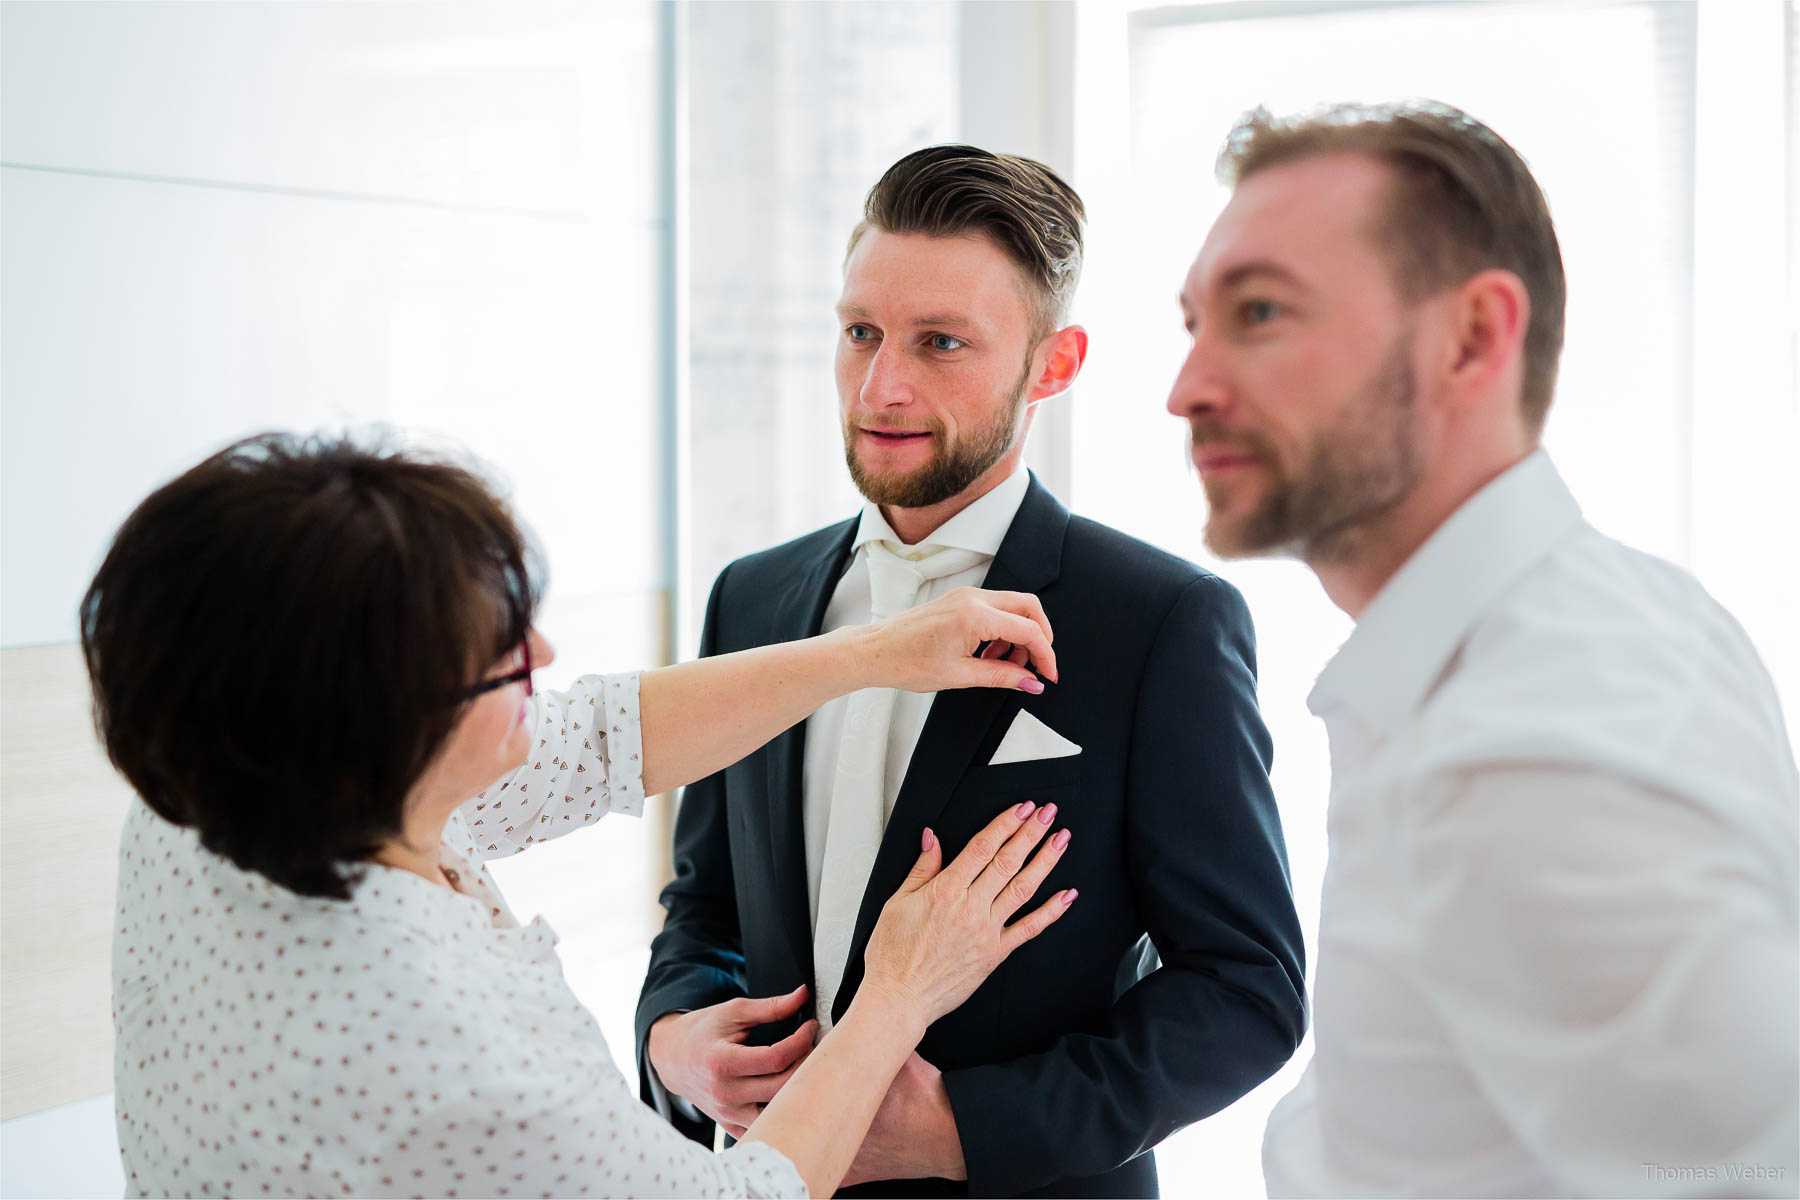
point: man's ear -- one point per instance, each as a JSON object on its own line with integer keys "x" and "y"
{"x": 1489, "y": 316}
{"x": 1064, "y": 352}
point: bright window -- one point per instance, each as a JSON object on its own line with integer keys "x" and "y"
{"x": 796, "y": 110}
{"x": 1601, "y": 100}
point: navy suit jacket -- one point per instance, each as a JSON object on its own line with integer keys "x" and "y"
{"x": 1175, "y": 983}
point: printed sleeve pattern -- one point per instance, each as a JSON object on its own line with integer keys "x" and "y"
{"x": 586, "y": 760}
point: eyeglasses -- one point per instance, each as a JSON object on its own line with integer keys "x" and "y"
{"x": 522, "y": 675}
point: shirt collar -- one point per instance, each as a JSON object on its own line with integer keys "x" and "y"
{"x": 1415, "y": 624}
{"x": 981, "y": 527}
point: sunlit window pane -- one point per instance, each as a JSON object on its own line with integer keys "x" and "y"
{"x": 797, "y": 110}
{"x": 1599, "y": 100}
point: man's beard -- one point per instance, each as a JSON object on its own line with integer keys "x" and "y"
{"x": 952, "y": 467}
{"x": 1355, "y": 471}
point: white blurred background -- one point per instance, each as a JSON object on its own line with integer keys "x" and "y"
{"x": 597, "y": 244}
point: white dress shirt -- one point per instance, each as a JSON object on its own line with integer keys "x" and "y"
{"x": 981, "y": 528}
{"x": 409, "y": 1041}
{"x": 1557, "y": 949}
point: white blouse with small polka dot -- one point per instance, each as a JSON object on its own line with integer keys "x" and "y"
{"x": 409, "y": 1041}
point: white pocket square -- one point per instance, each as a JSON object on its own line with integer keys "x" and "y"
{"x": 1030, "y": 739}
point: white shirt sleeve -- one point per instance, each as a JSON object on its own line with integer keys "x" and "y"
{"x": 1608, "y": 962}
{"x": 585, "y": 760}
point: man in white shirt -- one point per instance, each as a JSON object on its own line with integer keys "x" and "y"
{"x": 1174, "y": 986}
{"x": 1557, "y": 945}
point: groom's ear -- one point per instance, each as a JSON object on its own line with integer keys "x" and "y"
{"x": 1064, "y": 352}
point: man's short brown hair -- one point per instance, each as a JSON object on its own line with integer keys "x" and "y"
{"x": 1462, "y": 201}
{"x": 1024, "y": 206}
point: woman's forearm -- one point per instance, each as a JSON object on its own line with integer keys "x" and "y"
{"x": 701, "y": 716}
{"x": 819, "y": 1119}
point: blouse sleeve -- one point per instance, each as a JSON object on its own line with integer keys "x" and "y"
{"x": 585, "y": 760}
{"x": 541, "y": 1125}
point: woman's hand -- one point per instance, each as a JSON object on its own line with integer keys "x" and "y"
{"x": 939, "y": 936}
{"x": 945, "y": 930}
{"x": 933, "y": 648}
{"x": 699, "y": 717}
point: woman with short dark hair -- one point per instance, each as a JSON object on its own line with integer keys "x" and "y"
{"x": 313, "y": 662}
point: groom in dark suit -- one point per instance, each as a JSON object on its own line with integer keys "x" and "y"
{"x": 1174, "y": 985}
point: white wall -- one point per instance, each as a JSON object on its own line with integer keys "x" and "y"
{"x": 69, "y": 1151}
{"x": 220, "y": 218}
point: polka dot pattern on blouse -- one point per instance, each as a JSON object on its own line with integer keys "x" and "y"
{"x": 412, "y": 1041}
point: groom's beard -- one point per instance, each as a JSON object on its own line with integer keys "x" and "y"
{"x": 953, "y": 465}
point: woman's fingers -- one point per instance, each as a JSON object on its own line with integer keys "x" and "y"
{"x": 969, "y": 638}
{"x": 1016, "y": 894}
{"x": 1010, "y": 859}
{"x": 1016, "y": 620}
{"x": 1012, "y": 641}
{"x": 1021, "y": 630}
{"x": 934, "y": 944}
{"x": 996, "y": 673}
{"x": 1026, "y": 605}
{"x": 1018, "y": 656}
{"x": 930, "y": 862}
{"x": 1039, "y": 919}
{"x": 983, "y": 847}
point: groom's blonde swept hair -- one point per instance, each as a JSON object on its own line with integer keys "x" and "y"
{"x": 1024, "y": 207}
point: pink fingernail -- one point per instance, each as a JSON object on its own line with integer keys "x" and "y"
{"x": 1024, "y": 810}
{"x": 1061, "y": 839}
{"x": 1031, "y": 685}
{"x": 1069, "y": 897}
{"x": 925, "y": 842}
{"x": 1046, "y": 814}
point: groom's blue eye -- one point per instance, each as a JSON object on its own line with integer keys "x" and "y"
{"x": 859, "y": 333}
{"x": 1258, "y": 312}
{"x": 946, "y": 343}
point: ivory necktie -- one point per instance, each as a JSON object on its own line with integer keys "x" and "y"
{"x": 859, "y": 799}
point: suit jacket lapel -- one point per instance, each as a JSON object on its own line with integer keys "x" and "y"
{"x": 1029, "y": 560}
{"x": 797, "y": 612}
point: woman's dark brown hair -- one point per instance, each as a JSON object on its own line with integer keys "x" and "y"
{"x": 279, "y": 641}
